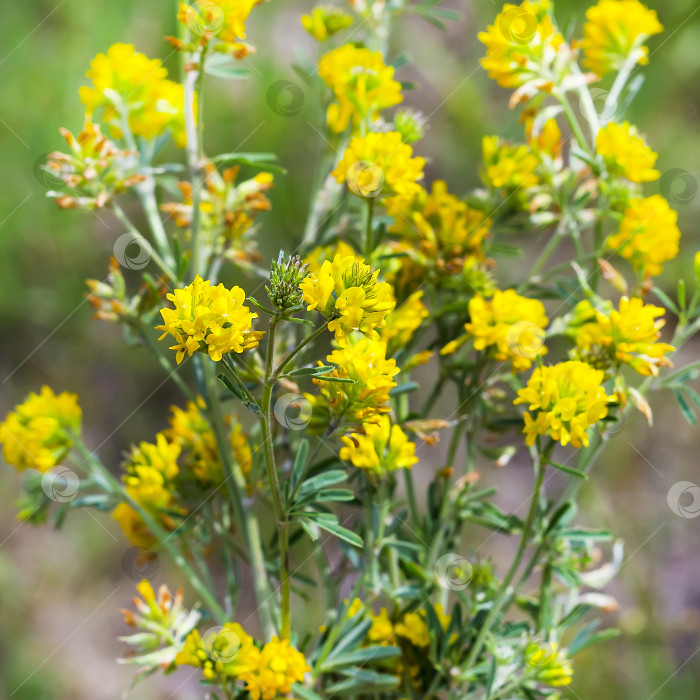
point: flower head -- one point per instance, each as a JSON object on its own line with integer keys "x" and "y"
{"x": 347, "y": 293}
{"x": 414, "y": 628}
{"x": 37, "y": 434}
{"x": 648, "y": 234}
{"x": 521, "y": 45}
{"x": 446, "y": 231}
{"x": 625, "y": 152}
{"x": 510, "y": 325}
{"x": 379, "y": 163}
{"x": 362, "y": 84}
{"x": 367, "y": 394}
{"x": 615, "y": 32}
{"x": 325, "y": 21}
{"x": 626, "y": 336}
{"x": 129, "y": 86}
{"x": 548, "y": 663}
{"x": 278, "y": 666}
{"x": 403, "y": 322}
{"x": 508, "y": 167}
{"x": 566, "y": 399}
{"x": 381, "y": 448}
{"x": 209, "y": 319}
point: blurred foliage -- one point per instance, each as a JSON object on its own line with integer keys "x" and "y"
{"x": 45, "y": 256}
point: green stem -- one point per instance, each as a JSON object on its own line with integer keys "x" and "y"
{"x": 369, "y": 233}
{"x": 280, "y": 368}
{"x": 573, "y": 123}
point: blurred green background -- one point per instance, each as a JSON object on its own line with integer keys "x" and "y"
{"x": 59, "y": 593}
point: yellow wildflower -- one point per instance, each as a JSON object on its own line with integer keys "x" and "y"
{"x": 508, "y": 167}
{"x": 615, "y": 31}
{"x": 37, "y": 434}
{"x": 549, "y": 664}
{"x": 363, "y": 86}
{"x": 512, "y": 325}
{"x": 414, "y": 628}
{"x": 568, "y": 398}
{"x": 209, "y": 319}
{"x": 278, "y": 666}
{"x": 648, "y": 234}
{"x": 347, "y": 293}
{"x": 521, "y": 45}
{"x": 547, "y": 140}
{"x": 373, "y": 378}
{"x": 161, "y": 456}
{"x": 382, "y": 630}
{"x": 320, "y": 254}
{"x": 220, "y": 19}
{"x": 381, "y": 448}
{"x": 628, "y": 335}
{"x": 324, "y": 22}
{"x": 625, "y": 152}
{"x": 355, "y": 607}
{"x": 448, "y": 231}
{"x": 129, "y": 85}
{"x": 379, "y": 163}
{"x": 403, "y": 322}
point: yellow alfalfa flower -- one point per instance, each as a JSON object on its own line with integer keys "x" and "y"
{"x": 379, "y": 164}
{"x": 521, "y": 45}
{"x": 223, "y": 20}
{"x": 38, "y": 433}
{"x": 403, "y": 322}
{"x": 209, "y": 319}
{"x": 227, "y": 651}
{"x": 362, "y": 84}
{"x": 548, "y": 663}
{"x": 628, "y": 335}
{"x": 625, "y": 152}
{"x": 509, "y": 167}
{"x": 381, "y": 631}
{"x": 509, "y": 325}
{"x": 325, "y": 21}
{"x": 615, "y": 32}
{"x": 127, "y": 85}
{"x": 277, "y": 667}
{"x": 648, "y": 234}
{"x": 413, "y": 627}
{"x": 347, "y": 292}
{"x": 566, "y": 399}
{"x": 380, "y": 448}
{"x": 161, "y": 456}
{"x": 367, "y": 395}
{"x": 320, "y": 254}
{"x": 547, "y": 140}
{"x": 447, "y": 231}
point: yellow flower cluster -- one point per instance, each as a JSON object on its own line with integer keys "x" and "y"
{"x": 268, "y": 672}
{"x": 364, "y": 362}
{"x": 403, "y": 322}
{"x": 324, "y": 22}
{"x": 510, "y": 325}
{"x": 37, "y": 434}
{"x": 615, "y": 32}
{"x": 380, "y": 163}
{"x": 221, "y": 19}
{"x": 448, "y": 232}
{"x": 347, "y": 293}
{"x": 133, "y": 89}
{"x": 567, "y": 399}
{"x": 521, "y": 44}
{"x": 549, "y": 664}
{"x": 411, "y": 627}
{"x": 150, "y": 472}
{"x": 648, "y": 234}
{"x": 320, "y": 254}
{"x": 209, "y": 319}
{"x": 362, "y": 84}
{"x": 625, "y": 152}
{"x": 508, "y": 167}
{"x": 628, "y": 336}
{"x": 547, "y": 140}
{"x": 381, "y": 448}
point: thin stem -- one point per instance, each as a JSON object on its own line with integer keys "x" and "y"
{"x": 573, "y": 123}
{"x": 280, "y": 368}
{"x": 369, "y": 233}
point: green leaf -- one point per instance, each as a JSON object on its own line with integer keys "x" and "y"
{"x": 255, "y": 160}
{"x": 299, "y": 463}
{"x": 570, "y": 470}
{"x": 361, "y": 656}
{"x": 363, "y": 681}
{"x": 404, "y": 388}
{"x": 685, "y": 407}
{"x": 222, "y": 66}
{"x": 306, "y": 371}
{"x": 581, "y": 534}
{"x": 329, "y": 523}
{"x": 305, "y": 693}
